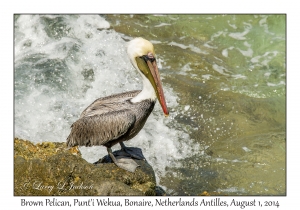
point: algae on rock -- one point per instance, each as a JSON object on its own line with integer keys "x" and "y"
{"x": 49, "y": 168}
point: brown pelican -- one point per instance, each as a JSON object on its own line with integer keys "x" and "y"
{"x": 120, "y": 117}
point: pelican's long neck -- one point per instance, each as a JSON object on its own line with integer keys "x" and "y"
{"x": 136, "y": 48}
{"x": 147, "y": 92}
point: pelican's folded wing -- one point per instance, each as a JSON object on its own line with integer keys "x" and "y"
{"x": 110, "y": 103}
{"x": 100, "y": 129}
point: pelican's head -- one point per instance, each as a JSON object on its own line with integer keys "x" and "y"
{"x": 142, "y": 56}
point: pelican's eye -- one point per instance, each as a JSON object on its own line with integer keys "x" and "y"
{"x": 148, "y": 57}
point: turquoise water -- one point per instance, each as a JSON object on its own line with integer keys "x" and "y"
{"x": 225, "y": 83}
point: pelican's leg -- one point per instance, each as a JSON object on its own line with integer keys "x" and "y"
{"x": 125, "y": 163}
{"x": 112, "y": 156}
{"x": 130, "y": 152}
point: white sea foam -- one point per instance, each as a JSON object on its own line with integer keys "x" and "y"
{"x": 191, "y": 47}
{"x": 263, "y": 23}
{"x": 209, "y": 46}
{"x": 220, "y": 69}
{"x": 187, "y": 107}
{"x": 248, "y": 52}
{"x": 217, "y": 34}
{"x": 68, "y": 73}
{"x": 225, "y": 51}
{"x": 182, "y": 46}
{"x": 267, "y": 74}
{"x": 162, "y": 24}
{"x": 246, "y": 149}
{"x": 264, "y": 59}
{"x": 232, "y": 25}
{"x": 239, "y": 76}
{"x": 206, "y": 76}
{"x": 241, "y": 35}
{"x": 273, "y": 84}
{"x": 185, "y": 69}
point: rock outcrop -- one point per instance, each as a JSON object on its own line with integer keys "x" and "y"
{"x": 49, "y": 168}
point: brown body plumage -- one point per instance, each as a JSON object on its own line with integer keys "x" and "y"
{"x": 110, "y": 120}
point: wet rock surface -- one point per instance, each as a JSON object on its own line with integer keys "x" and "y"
{"x": 50, "y": 168}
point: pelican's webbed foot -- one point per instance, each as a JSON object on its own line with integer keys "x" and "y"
{"x": 133, "y": 152}
{"x": 123, "y": 162}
